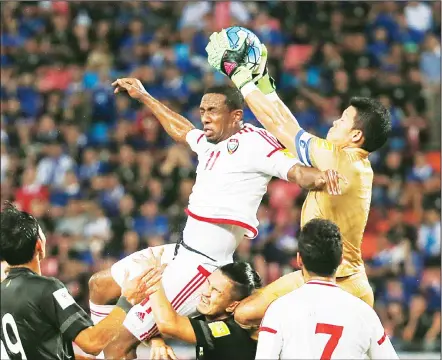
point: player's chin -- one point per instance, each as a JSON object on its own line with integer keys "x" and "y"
{"x": 202, "y": 308}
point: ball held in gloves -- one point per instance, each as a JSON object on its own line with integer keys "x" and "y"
{"x": 247, "y": 53}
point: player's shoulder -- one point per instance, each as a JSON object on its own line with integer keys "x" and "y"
{"x": 45, "y": 283}
{"x": 356, "y": 303}
{"x": 289, "y": 300}
{"x": 258, "y": 139}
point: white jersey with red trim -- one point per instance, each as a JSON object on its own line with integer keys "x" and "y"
{"x": 232, "y": 176}
{"x": 321, "y": 321}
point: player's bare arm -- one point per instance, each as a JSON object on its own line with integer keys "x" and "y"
{"x": 175, "y": 125}
{"x": 313, "y": 179}
{"x": 168, "y": 321}
{"x": 275, "y": 117}
{"x": 251, "y": 310}
{"x": 94, "y": 339}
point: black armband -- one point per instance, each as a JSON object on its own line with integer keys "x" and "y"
{"x": 124, "y": 304}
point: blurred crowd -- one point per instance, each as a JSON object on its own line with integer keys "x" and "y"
{"x": 104, "y": 179}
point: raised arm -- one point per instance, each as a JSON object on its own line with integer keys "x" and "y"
{"x": 273, "y": 115}
{"x": 175, "y": 125}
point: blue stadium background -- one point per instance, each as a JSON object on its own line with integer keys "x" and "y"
{"x": 105, "y": 180}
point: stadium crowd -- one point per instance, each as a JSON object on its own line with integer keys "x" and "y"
{"x": 104, "y": 180}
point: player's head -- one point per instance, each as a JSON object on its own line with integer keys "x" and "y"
{"x": 221, "y": 112}
{"x": 320, "y": 247}
{"x": 226, "y": 287}
{"x": 21, "y": 238}
{"x": 366, "y": 124}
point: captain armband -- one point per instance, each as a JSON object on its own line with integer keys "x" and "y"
{"x": 302, "y": 142}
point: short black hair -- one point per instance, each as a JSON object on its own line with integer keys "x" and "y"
{"x": 374, "y": 120}
{"x": 234, "y": 98}
{"x": 320, "y": 247}
{"x": 244, "y": 278}
{"x": 18, "y": 235}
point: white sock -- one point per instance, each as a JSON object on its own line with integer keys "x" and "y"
{"x": 98, "y": 313}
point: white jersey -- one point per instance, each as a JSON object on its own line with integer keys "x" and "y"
{"x": 232, "y": 176}
{"x": 321, "y": 321}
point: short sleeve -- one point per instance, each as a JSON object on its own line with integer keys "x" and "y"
{"x": 196, "y": 140}
{"x": 315, "y": 152}
{"x": 62, "y": 310}
{"x": 380, "y": 344}
{"x": 270, "y": 334}
{"x": 270, "y": 157}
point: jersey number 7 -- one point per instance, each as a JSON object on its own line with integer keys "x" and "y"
{"x": 335, "y": 333}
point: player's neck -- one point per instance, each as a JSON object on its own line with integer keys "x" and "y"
{"x": 33, "y": 265}
{"x": 312, "y": 276}
{"x": 217, "y": 317}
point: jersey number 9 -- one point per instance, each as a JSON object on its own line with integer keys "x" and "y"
{"x": 13, "y": 347}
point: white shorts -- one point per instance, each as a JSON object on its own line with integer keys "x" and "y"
{"x": 183, "y": 277}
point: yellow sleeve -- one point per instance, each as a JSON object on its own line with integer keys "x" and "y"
{"x": 316, "y": 152}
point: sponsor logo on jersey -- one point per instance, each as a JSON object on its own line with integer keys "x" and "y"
{"x": 232, "y": 145}
{"x": 219, "y": 329}
{"x": 140, "y": 315}
{"x": 63, "y": 298}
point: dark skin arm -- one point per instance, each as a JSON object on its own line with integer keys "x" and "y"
{"x": 313, "y": 179}
{"x": 175, "y": 125}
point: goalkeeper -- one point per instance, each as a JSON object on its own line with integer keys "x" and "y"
{"x": 362, "y": 128}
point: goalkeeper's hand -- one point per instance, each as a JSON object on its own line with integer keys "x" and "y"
{"x": 261, "y": 77}
{"x": 227, "y": 60}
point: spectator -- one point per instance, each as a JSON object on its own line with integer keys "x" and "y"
{"x": 103, "y": 179}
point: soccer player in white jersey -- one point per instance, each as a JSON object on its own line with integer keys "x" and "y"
{"x": 319, "y": 320}
{"x": 235, "y": 164}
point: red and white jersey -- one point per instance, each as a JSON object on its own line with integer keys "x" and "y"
{"x": 321, "y": 321}
{"x": 232, "y": 176}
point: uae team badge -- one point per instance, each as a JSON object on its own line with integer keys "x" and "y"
{"x": 232, "y": 145}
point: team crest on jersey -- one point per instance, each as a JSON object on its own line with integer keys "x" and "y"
{"x": 232, "y": 145}
{"x": 219, "y": 329}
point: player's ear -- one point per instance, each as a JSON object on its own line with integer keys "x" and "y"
{"x": 237, "y": 116}
{"x": 231, "y": 308}
{"x": 299, "y": 260}
{"x": 357, "y": 136}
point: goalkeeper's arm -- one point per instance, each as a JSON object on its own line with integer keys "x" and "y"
{"x": 273, "y": 114}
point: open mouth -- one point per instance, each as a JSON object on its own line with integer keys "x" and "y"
{"x": 208, "y": 132}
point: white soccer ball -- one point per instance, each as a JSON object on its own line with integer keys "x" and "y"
{"x": 253, "y": 54}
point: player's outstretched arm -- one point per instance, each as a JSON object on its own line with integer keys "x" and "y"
{"x": 313, "y": 179}
{"x": 95, "y": 338}
{"x": 251, "y": 310}
{"x": 175, "y": 125}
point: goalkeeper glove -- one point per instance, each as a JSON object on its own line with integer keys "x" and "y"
{"x": 262, "y": 79}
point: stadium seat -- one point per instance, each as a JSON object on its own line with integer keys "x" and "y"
{"x": 433, "y": 159}
{"x": 296, "y": 56}
{"x": 369, "y": 246}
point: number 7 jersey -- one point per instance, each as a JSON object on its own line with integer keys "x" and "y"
{"x": 232, "y": 176}
{"x": 321, "y": 321}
